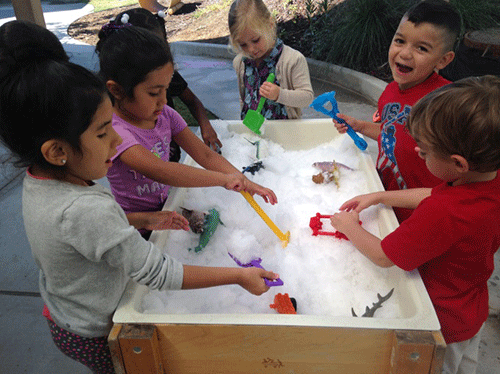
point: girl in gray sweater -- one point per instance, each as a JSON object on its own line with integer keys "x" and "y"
{"x": 55, "y": 116}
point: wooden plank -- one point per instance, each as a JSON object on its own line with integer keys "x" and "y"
{"x": 175, "y": 7}
{"x": 413, "y": 352}
{"x": 236, "y": 349}
{"x": 114, "y": 347}
{"x": 439, "y": 350}
{"x": 139, "y": 349}
{"x": 29, "y": 10}
{"x": 152, "y": 5}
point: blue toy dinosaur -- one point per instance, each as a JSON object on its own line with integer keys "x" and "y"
{"x": 253, "y": 168}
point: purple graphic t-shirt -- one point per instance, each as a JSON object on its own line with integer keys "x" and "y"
{"x": 132, "y": 190}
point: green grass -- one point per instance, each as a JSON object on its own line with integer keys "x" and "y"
{"x": 109, "y": 4}
{"x": 97, "y": 4}
{"x": 223, "y": 4}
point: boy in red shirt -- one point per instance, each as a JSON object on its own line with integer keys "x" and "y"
{"x": 454, "y": 232}
{"x": 422, "y": 45}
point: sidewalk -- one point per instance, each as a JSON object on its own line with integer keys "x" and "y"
{"x": 25, "y": 344}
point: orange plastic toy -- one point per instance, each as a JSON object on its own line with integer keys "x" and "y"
{"x": 283, "y": 304}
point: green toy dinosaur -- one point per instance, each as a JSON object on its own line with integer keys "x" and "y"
{"x": 212, "y": 220}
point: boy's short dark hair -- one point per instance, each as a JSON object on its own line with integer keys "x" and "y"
{"x": 439, "y": 13}
{"x": 462, "y": 118}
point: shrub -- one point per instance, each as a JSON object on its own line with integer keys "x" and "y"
{"x": 478, "y": 14}
{"x": 357, "y": 33}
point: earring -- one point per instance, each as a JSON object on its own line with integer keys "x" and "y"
{"x": 63, "y": 161}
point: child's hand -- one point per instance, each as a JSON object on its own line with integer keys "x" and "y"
{"x": 266, "y": 193}
{"x": 360, "y": 202}
{"x": 269, "y": 91}
{"x": 235, "y": 182}
{"x": 353, "y": 122}
{"x": 342, "y": 221}
{"x": 252, "y": 280}
{"x": 165, "y": 220}
{"x": 210, "y": 137}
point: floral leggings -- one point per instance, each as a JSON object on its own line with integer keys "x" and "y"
{"x": 91, "y": 352}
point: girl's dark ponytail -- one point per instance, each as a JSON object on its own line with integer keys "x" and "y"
{"x": 43, "y": 96}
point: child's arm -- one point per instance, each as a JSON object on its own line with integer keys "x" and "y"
{"x": 109, "y": 238}
{"x": 409, "y": 199}
{"x": 220, "y": 172}
{"x": 347, "y": 220}
{"x": 175, "y": 174}
{"x": 368, "y": 244}
{"x": 159, "y": 220}
{"x": 198, "y": 111}
{"x": 211, "y": 160}
{"x": 369, "y": 129}
{"x": 251, "y": 279}
{"x": 297, "y": 98}
{"x": 300, "y": 94}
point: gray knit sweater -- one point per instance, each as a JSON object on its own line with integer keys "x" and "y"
{"x": 87, "y": 251}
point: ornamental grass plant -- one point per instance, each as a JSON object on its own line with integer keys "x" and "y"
{"x": 357, "y": 33}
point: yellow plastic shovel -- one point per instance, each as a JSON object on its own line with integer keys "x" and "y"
{"x": 285, "y": 238}
{"x": 253, "y": 119}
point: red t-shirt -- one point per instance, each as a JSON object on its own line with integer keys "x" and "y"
{"x": 398, "y": 164}
{"x": 451, "y": 238}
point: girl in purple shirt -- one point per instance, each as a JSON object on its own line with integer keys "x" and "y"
{"x": 137, "y": 66}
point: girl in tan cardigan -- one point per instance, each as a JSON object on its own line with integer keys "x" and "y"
{"x": 260, "y": 53}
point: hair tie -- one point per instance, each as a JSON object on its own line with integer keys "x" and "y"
{"x": 110, "y": 27}
{"x": 124, "y": 19}
{"x": 161, "y": 14}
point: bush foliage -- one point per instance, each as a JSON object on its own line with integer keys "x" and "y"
{"x": 357, "y": 33}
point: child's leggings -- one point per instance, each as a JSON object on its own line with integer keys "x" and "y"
{"x": 91, "y": 352}
{"x": 462, "y": 357}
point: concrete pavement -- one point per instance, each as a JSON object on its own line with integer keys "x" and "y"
{"x": 25, "y": 343}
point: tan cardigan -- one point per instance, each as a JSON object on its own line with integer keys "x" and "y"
{"x": 293, "y": 74}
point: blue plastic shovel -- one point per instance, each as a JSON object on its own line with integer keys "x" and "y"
{"x": 319, "y": 105}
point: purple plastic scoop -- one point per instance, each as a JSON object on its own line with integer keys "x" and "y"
{"x": 256, "y": 264}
